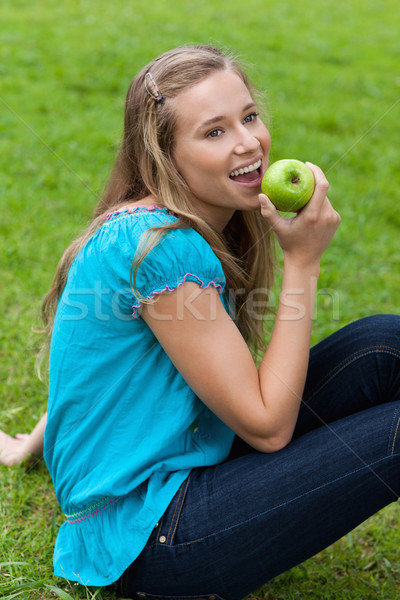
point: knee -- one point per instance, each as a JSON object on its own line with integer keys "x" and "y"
{"x": 380, "y": 330}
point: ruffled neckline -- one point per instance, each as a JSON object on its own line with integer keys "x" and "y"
{"x": 129, "y": 211}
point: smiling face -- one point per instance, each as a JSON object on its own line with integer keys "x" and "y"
{"x": 221, "y": 146}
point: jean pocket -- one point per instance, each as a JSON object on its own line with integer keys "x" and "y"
{"x": 164, "y": 532}
{"x": 146, "y": 596}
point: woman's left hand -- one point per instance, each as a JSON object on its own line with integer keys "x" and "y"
{"x": 306, "y": 236}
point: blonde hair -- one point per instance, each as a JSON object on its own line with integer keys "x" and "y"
{"x": 145, "y": 166}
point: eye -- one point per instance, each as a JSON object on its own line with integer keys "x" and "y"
{"x": 214, "y": 133}
{"x": 251, "y": 117}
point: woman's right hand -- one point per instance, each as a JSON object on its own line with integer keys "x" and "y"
{"x": 304, "y": 237}
{"x": 13, "y": 450}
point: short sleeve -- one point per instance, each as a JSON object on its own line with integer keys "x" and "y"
{"x": 181, "y": 255}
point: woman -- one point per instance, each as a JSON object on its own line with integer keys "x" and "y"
{"x": 183, "y": 468}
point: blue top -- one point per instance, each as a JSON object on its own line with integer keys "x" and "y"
{"x": 124, "y": 429}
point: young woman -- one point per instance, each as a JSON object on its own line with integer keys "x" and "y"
{"x": 190, "y": 461}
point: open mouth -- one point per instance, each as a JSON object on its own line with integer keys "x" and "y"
{"x": 250, "y": 174}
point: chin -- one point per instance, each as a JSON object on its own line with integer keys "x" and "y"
{"x": 250, "y": 205}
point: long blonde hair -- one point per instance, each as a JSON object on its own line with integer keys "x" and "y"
{"x": 145, "y": 166}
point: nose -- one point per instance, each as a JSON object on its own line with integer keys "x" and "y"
{"x": 245, "y": 141}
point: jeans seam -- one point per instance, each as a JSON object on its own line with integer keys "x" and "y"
{"x": 349, "y": 360}
{"x": 395, "y": 435}
{"x": 173, "y": 516}
{"x": 177, "y": 511}
{"x": 281, "y": 504}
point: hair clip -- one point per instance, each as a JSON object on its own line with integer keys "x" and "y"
{"x": 156, "y": 94}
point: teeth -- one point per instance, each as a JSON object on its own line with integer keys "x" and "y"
{"x": 248, "y": 169}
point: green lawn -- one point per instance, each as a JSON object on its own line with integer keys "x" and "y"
{"x": 330, "y": 71}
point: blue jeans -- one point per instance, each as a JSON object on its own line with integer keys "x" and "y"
{"x": 234, "y": 526}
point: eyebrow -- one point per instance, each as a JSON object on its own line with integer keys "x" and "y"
{"x": 221, "y": 117}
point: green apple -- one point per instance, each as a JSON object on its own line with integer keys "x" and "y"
{"x": 289, "y": 184}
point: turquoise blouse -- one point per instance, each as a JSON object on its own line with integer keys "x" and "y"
{"x": 124, "y": 429}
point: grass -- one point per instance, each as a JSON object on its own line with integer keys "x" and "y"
{"x": 330, "y": 73}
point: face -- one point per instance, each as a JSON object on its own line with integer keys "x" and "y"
{"x": 221, "y": 146}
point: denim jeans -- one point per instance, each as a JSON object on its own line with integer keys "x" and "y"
{"x": 234, "y": 526}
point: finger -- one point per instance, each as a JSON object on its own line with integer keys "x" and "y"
{"x": 22, "y": 436}
{"x": 269, "y": 211}
{"x": 335, "y": 216}
{"x": 321, "y": 186}
{"x": 318, "y": 173}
